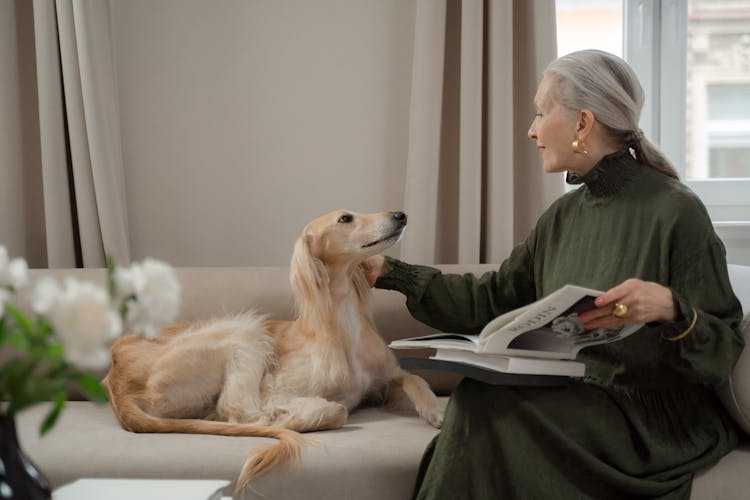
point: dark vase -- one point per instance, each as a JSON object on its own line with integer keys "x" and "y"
{"x": 19, "y": 478}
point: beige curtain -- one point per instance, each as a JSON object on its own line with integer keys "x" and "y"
{"x": 81, "y": 159}
{"x": 474, "y": 182}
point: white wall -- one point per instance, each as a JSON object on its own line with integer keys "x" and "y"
{"x": 243, "y": 120}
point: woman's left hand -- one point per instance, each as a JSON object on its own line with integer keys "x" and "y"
{"x": 646, "y": 301}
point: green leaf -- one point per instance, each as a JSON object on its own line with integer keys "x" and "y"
{"x": 126, "y": 305}
{"x": 53, "y": 353}
{"x": 19, "y": 318}
{"x": 44, "y": 330}
{"x": 91, "y": 387}
{"x": 37, "y": 388}
{"x": 112, "y": 286}
{"x": 19, "y": 340}
{"x": 51, "y": 418}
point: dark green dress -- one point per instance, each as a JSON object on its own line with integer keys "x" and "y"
{"x": 644, "y": 418}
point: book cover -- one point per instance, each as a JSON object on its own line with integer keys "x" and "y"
{"x": 513, "y": 364}
{"x": 486, "y": 375}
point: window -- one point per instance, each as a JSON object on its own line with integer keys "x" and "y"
{"x": 726, "y": 140}
{"x": 581, "y": 22}
{"x": 693, "y": 59}
{"x": 718, "y": 89}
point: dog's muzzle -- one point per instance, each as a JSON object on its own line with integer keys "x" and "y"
{"x": 398, "y": 220}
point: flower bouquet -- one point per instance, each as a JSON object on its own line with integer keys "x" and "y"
{"x": 66, "y": 333}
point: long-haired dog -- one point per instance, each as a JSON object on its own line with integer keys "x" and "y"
{"x": 248, "y": 376}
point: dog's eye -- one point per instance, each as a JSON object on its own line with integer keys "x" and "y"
{"x": 346, "y": 218}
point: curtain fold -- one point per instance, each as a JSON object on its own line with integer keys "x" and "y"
{"x": 82, "y": 169}
{"x": 423, "y": 154}
{"x": 57, "y": 230}
{"x": 471, "y": 101}
{"x": 475, "y": 185}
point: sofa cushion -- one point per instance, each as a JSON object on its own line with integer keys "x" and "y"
{"x": 374, "y": 456}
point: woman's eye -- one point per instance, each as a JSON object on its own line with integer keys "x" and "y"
{"x": 346, "y": 219}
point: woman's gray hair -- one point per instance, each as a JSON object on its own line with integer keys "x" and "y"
{"x": 608, "y": 87}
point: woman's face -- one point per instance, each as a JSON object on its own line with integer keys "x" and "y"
{"x": 553, "y": 130}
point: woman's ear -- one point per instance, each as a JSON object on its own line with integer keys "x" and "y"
{"x": 585, "y": 124}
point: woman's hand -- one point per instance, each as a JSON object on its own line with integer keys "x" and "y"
{"x": 646, "y": 301}
{"x": 373, "y": 267}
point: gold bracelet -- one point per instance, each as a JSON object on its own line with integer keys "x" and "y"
{"x": 689, "y": 329}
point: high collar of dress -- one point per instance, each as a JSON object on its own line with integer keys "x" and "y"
{"x": 609, "y": 175}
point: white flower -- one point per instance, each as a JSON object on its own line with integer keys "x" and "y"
{"x": 13, "y": 273}
{"x": 45, "y": 295}
{"x": 157, "y": 295}
{"x": 81, "y": 316}
{"x": 18, "y": 271}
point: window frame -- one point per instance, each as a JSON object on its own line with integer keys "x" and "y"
{"x": 655, "y": 31}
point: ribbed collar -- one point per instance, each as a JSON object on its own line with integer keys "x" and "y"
{"x": 613, "y": 172}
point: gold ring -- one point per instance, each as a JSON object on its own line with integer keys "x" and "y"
{"x": 619, "y": 310}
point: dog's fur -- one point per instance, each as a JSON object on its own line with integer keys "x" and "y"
{"x": 248, "y": 376}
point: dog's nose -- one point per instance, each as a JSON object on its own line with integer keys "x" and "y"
{"x": 399, "y": 216}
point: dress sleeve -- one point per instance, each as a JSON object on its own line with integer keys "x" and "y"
{"x": 700, "y": 285}
{"x": 463, "y": 303}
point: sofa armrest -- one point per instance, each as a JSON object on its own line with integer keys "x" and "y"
{"x": 735, "y": 392}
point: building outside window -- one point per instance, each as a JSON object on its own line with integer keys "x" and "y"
{"x": 718, "y": 89}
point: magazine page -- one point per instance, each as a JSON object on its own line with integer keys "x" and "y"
{"x": 550, "y": 328}
{"x": 438, "y": 340}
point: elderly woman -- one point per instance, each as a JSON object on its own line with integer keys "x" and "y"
{"x": 644, "y": 418}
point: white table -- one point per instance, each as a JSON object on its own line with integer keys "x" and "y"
{"x": 142, "y": 489}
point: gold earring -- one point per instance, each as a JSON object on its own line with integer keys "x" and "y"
{"x": 579, "y": 147}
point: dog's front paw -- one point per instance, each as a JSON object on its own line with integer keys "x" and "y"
{"x": 337, "y": 416}
{"x": 434, "y": 414}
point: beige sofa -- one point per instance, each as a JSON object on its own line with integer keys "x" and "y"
{"x": 374, "y": 457}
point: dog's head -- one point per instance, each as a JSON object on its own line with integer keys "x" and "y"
{"x": 339, "y": 241}
{"x": 344, "y": 237}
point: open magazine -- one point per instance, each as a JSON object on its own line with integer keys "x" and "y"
{"x": 541, "y": 338}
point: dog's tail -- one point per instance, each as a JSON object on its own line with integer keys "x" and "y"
{"x": 135, "y": 419}
{"x": 267, "y": 457}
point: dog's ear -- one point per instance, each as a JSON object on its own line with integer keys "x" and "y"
{"x": 308, "y": 276}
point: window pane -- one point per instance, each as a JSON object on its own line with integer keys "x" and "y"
{"x": 589, "y": 24}
{"x": 723, "y": 102}
{"x": 729, "y": 162}
{"x": 718, "y": 89}
{"x": 728, "y": 130}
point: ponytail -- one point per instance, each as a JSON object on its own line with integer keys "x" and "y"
{"x": 648, "y": 154}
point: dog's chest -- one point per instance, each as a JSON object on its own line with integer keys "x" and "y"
{"x": 328, "y": 370}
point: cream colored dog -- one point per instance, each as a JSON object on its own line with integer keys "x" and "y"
{"x": 247, "y": 376}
